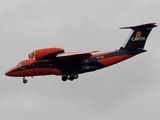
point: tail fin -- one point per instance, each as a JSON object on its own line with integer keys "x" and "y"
{"x": 139, "y": 36}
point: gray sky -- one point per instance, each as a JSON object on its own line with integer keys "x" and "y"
{"x": 129, "y": 90}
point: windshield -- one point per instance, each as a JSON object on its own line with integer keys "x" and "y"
{"x": 20, "y": 64}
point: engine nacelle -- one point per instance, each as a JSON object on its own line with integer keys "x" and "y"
{"x": 45, "y": 54}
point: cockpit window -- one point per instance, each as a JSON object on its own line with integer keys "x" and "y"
{"x": 20, "y": 64}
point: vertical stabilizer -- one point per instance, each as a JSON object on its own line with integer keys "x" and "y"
{"x": 139, "y": 36}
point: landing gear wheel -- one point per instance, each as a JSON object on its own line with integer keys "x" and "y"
{"x": 68, "y": 76}
{"x": 25, "y": 81}
{"x": 64, "y": 78}
{"x": 75, "y": 76}
{"x": 71, "y": 78}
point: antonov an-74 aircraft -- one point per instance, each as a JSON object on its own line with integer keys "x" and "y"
{"x": 55, "y": 61}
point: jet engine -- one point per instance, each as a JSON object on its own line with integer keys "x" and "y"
{"x": 45, "y": 54}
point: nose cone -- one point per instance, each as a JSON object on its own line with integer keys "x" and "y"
{"x": 7, "y": 74}
{"x": 10, "y": 72}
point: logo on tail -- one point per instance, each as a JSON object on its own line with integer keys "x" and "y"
{"x": 138, "y": 34}
{"x": 138, "y": 37}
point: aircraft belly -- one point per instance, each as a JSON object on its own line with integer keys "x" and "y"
{"x": 113, "y": 60}
{"x": 87, "y": 69}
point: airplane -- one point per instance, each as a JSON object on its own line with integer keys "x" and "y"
{"x": 55, "y": 61}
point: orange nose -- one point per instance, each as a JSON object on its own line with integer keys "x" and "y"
{"x": 7, "y": 74}
{"x": 10, "y": 72}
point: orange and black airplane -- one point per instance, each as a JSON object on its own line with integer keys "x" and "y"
{"x": 55, "y": 61}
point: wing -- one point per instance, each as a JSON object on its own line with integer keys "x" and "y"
{"x": 80, "y": 55}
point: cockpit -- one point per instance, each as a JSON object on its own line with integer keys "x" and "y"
{"x": 20, "y": 64}
{"x": 28, "y": 63}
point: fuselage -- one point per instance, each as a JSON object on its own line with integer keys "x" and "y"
{"x": 32, "y": 67}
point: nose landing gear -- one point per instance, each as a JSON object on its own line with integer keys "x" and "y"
{"x": 24, "y": 80}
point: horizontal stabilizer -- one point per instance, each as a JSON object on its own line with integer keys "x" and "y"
{"x": 143, "y": 26}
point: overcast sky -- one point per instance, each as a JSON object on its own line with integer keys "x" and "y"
{"x": 129, "y": 90}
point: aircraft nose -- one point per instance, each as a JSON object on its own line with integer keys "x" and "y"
{"x": 6, "y": 73}
{"x": 9, "y": 72}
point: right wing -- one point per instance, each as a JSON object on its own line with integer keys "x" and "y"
{"x": 79, "y": 55}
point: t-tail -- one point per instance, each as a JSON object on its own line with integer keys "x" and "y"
{"x": 139, "y": 36}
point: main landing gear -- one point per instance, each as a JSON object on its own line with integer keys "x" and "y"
{"x": 71, "y": 77}
{"x": 24, "y": 80}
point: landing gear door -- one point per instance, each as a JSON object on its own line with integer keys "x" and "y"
{"x": 35, "y": 67}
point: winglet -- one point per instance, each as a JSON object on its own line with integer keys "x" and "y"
{"x": 143, "y": 26}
